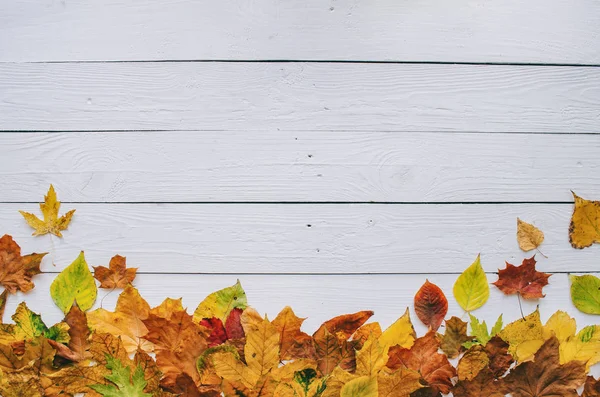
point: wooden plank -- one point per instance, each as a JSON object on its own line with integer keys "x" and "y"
{"x": 298, "y": 96}
{"x": 303, "y": 238}
{"x": 319, "y": 297}
{"x": 428, "y": 30}
{"x": 305, "y": 166}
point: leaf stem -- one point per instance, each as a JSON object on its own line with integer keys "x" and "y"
{"x": 520, "y": 307}
{"x": 541, "y": 253}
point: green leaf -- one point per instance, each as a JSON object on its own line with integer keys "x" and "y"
{"x": 74, "y": 283}
{"x": 585, "y": 293}
{"x": 471, "y": 289}
{"x": 124, "y": 384}
{"x": 480, "y": 331}
{"x": 220, "y": 303}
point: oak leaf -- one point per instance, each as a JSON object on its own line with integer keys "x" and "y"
{"x": 585, "y": 293}
{"x": 116, "y": 275}
{"x": 16, "y": 271}
{"x": 524, "y": 336}
{"x": 431, "y": 305}
{"x": 74, "y": 283}
{"x": 529, "y": 237}
{"x": 127, "y": 321}
{"x": 454, "y": 337}
{"x": 584, "y": 229}
{"x": 52, "y": 223}
{"x": 424, "y": 358}
{"x": 471, "y": 289}
{"x": 524, "y": 280}
{"x": 545, "y": 376}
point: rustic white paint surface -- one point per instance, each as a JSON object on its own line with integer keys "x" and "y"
{"x": 561, "y": 31}
{"x": 302, "y": 179}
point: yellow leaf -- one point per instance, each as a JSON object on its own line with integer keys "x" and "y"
{"x": 364, "y": 386}
{"x": 51, "y": 223}
{"x": 561, "y": 325}
{"x": 75, "y": 283}
{"x": 400, "y": 333}
{"x": 262, "y": 349}
{"x": 400, "y": 383}
{"x": 471, "y": 289}
{"x": 472, "y": 363}
{"x": 371, "y": 358}
{"x": 529, "y": 237}
{"x": 220, "y": 303}
{"x": 524, "y": 336}
{"x": 585, "y": 223}
{"x": 230, "y": 368}
{"x": 336, "y": 381}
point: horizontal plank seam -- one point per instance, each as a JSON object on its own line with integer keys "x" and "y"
{"x": 326, "y": 274}
{"x": 336, "y": 61}
{"x": 303, "y": 130}
{"x": 300, "y": 202}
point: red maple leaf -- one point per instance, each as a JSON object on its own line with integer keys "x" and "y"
{"x": 523, "y": 280}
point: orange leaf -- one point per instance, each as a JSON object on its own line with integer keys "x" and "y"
{"x": 116, "y": 275}
{"x": 523, "y": 280}
{"x": 16, "y": 271}
{"x": 431, "y": 305}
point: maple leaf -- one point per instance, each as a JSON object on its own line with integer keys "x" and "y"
{"x": 79, "y": 335}
{"x": 584, "y": 229}
{"x": 178, "y": 343}
{"x": 400, "y": 383}
{"x": 471, "y": 289}
{"x": 529, "y": 237}
{"x": 545, "y": 376}
{"x": 523, "y": 280}
{"x": 585, "y": 293}
{"x": 16, "y": 271}
{"x": 455, "y": 335}
{"x": 483, "y": 385}
{"x": 591, "y": 387}
{"x": 22, "y": 383}
{"x": 431, "y": 305}
{"x": 116, "y": 275}
{"x": 124, "y": 384}
{"x": 524, "y": 336}
{"x": 51, "y": 223}
{"x": 293, "y": 342}
{"x": 423, "y": 357}
{"x": 127, "y": 321}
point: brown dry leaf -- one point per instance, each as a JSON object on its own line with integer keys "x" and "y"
{"x": 423, "y": 357}
{"x": 116, "y": 275}
{"x": 76, "y": 379}
{"x": 474, "y": 360}
{"x": 524, "y": 280}
{"x": 127, "y": 321}
{"x": 3, "y": 297}
{"x": 52, "y": 223}
{"x": 529, "y": 237}
{"x": 483, "y": 385}
{"x": 103, "y": 344}
{"x": 178, "y": 342}
{"x": 545, "y": 376}
{"x": 293, "y": 342}
{"x": 591, "y": 387}
{"x": 400, "y": 383}
{"x": 16, "y": 271}
{"x": 584, "y": 229}
{"x": 22, "y": 383}
{"x": 431, "y": 305}
{"x": 362, "y": 334}
{"x": 452, "y": 341}
{"x": 79, "y": 336}
{"x": 347, "y": 324}
{"x": 499, "y": 358}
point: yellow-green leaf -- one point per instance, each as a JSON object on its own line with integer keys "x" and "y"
{"x": 471, "y": 289}
{"x": 585, "y": 293}
{"x": 220, "y": 303}
{"x": 74, "y": 283}
{"x": 364, "y": 386}
{"x": 400, "y": 333}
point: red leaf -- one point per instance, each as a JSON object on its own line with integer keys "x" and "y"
{"x": 218, "y": 334}
{"x": 431, "y": 305}
{"x": 524, "y": 280}
{"x": 233, "y": 324}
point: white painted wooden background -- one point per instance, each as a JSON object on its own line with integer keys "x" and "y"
{"x": 330, "y": 154}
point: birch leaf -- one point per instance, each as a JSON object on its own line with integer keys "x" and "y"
{"x": 529, "y": 237}
{"x": 584, "y": 229}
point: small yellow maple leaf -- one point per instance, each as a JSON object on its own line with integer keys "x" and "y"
{"x": 585, "y": 223}
{"x": 529, "y": 237}
{"x": 52, "y": 223}
{"x": 524, "y": 336}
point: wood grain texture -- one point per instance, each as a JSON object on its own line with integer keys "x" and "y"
{"x": 382, "y": 30}
{"x": 305, "y": 166}
{"x": 319, "y": 297}
{"x": 304, "y": 238}
{"x": 298, "y": 96}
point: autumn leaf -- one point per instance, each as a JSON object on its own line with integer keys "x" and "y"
{"x": 293, "y": 342}
{"x": 424, "y": 358}
{"x": 23, "y": 383}
{"x": 431, "y": 305}
{"x": 471, "y": 289}
{"x": 52, "y": 223}
{"x": 364, "y": 386}
{"x": 75, "y": 283}
{"x": 401, "y": 333}
{"x": 16, "y": 271}
{"x": 3, "y": 297}
{"x": 497, "y": 352}
{"x": 454, "y": 337}
{"x": 79, "y": 335}
{"x": 591, "y": 387}
{"x": 399, "y": 383}
{"x": 524, "y": 280}
{"x": 474, "y": 360}
{"x": 584, "y": 229}
{"x": 528, "y": 236}
{"x": 483, "y": 385}
{"x": 545, "y": 376}
{"x": 585, "y": 293}
{"x": 479, "y": 331}
{"x": 524, "y": 336}
{"x": 127, "y": 321}
{"x": 220, "y": 303}
{"x": 124, "y": 384}
{"x": 29, "y": 326}
{"x": 116, "y": 275}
